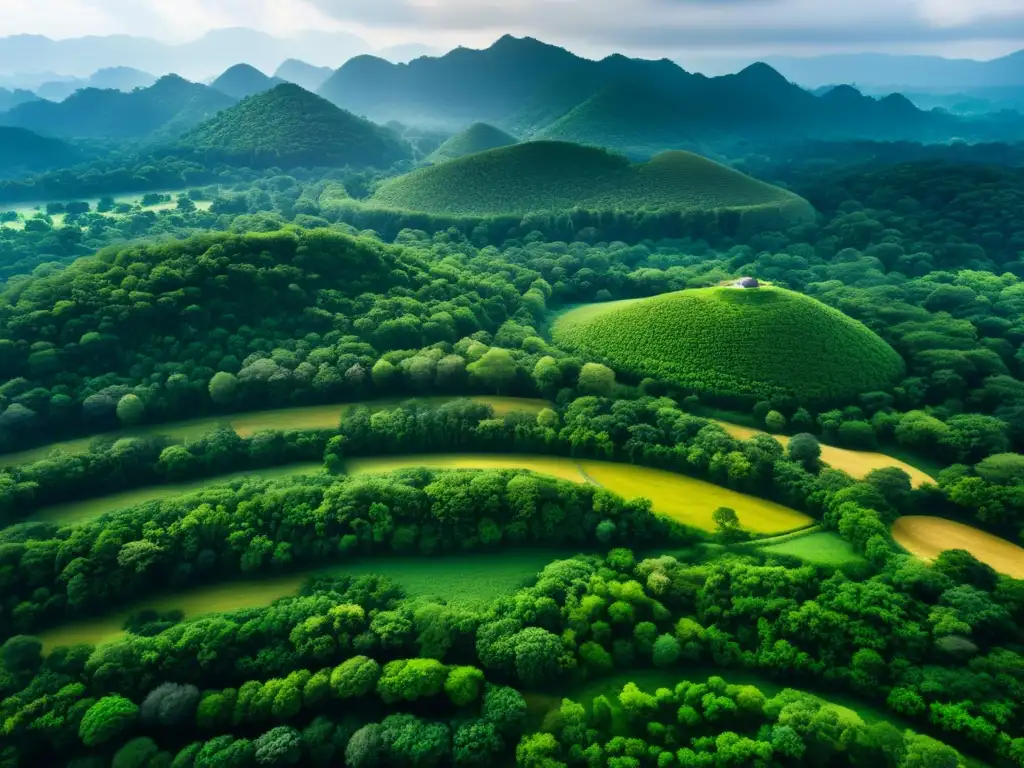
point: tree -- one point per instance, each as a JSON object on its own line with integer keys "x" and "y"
{"x": 223, "y": 387}
{"x": 140, "y": 752}
{"x": 666, "y": 651}
{"x": 21, "y": 654}
{"x": 547, "y": 375}
{"x": 774, "y": 421}
{"x": 130, "y": 409}
{"x": 279, "y": 746}
{"x": 463, "y": 685}
{"x": 495, "y": 369}
{"x": 355, "y": 677}
{"x": 107, "y": 718}
{"x": 597, "y": 379}
{"x": 169, "y": 705}
{"x": 805, "y": 449}
{"x": 726, "y": 520}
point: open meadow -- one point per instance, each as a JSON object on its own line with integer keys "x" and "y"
{"x": 468, "y": 580}
{"x": 816, "y": 547}
{"x": 856, "y": 464}
{"x": 926, "y": 537}
{"x": 684, "y": 499}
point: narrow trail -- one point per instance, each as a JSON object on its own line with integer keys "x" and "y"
{"x": 586, "y": 475}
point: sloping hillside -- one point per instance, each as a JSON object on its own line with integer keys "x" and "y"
{"x": 541, "y": 91}
{"x": 10, "y": 99}
{"x": 22, "y": 150}
{"x": 302, "y": 74}
{"x": 288, "y": 127}
{"x": 726, "y": 341}
{"x": 479, "y": 137}
{"x": 243, "y": 80}
{"x": 110, "y": 114}
{"x": 555, "y": 176}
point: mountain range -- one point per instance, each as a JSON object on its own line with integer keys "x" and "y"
{"x": 116, "y": 78}
{"x": 640, "y": 107}
{"x": 169, "y": 107}
{"x": 23, "y": 55}
{"x": 903, "y": 72}
{"x": 519, "y": 86}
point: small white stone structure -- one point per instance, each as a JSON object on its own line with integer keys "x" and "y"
{"x": 746, "y": 282}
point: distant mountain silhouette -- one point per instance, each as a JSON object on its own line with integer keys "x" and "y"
{"x": 171, "y": 104}
{"x": 22, "y": 150}
{"x": 465, "y": 85}
{"x": 302, "y": 74}
{"x": 287, "y": 127}
{"x": 902, "y": 72}
{"x": 637, "y": 106}
{"x": 244, "y": 80}
{"x": 11, "y": 99}
{"x": 213, "y": 52}
{"x": 124, "y": 79}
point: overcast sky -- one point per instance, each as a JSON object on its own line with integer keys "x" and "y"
{"x": 678, "y": 29}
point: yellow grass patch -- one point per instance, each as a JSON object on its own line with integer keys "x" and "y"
{"x": 566, "y": 469}
{"x": 926, "y": 537}
{"x": 855, "y": 463}
{"x": 684, "y": 499}
{"x": 691, "y": 501}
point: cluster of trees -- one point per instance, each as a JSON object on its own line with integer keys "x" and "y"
{"x": 712, "y": 723}
{"x": 296, "y": 683}
{"x": 252, "y": 527}
{"x": 114, "y": 464}
{"x": 932, "y": 644}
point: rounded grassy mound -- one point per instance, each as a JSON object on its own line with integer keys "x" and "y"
{"x": 732, "y": 341}
{"x": 556, "y": 177}
{"x": 479, "y": 137}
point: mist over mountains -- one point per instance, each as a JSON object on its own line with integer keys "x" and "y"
{"x": 27, "y": 61}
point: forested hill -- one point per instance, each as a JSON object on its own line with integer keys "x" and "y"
{"x": 22, "y": 150}
{"x": 288, "y": 127}
{"x": 528, "y": 87}
{"x": 110, "y": 114}
{"x": 243, "y": 80}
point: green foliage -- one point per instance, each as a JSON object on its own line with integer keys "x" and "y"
{"x": 553, "y": 177}
{"x": 478, "y": 137}
{"x": 288, "y": 126}
{"x": 106, "y": 719}
{"x": 170, "y": 105}
{"x": 726, "y": 341}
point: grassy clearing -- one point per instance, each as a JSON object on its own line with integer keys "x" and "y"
{"x": 88, "y": 509}
{"x": 926, "y": 537}
{"x": 469, "y": 579}
{"x": 765, "y": 341}
{"x": 248, "y": 423}
{"x": 684, "y": 499}
{"x": 820, "y": 548}
{"x": 555, "y": 466}
{"x": 857, "y": 464}
{"x": 542, "y": 708}
{"x": 30, "y": 209}
{"x": 691, "y": 501}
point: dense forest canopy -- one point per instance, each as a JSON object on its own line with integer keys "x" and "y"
{"x": 329, "y": 442}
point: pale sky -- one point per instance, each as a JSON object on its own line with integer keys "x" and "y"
{"x": 651, "y": 28}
